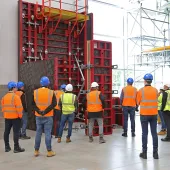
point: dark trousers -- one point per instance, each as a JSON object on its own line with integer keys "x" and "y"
{"x": 16, "y": 124}
{"x": 126, "y": 111}
{"x": 152, "y": 120}
{"x": 166, "y": 115}
{"x": 56, "y": 121}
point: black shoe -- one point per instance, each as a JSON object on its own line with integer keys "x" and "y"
{"x": 18, "y": 149}
{"x": 143, "y": 155}
{"x": 155, "y": 155}
{"x": 165, "y": 139}
{"x": 124, "y": 134}
{"x": 7, "y": 148}
{"x": 133, "y": 134}
{"x": 25, "y": 137}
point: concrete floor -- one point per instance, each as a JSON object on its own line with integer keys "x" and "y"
{"x": 117, "y": 154}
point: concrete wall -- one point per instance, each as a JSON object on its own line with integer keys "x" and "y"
{"x": 9, "y": 38}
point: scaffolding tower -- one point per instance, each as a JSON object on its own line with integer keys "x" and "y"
{"x": 148, "y": 42}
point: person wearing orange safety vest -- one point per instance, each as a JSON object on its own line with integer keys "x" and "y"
{"x": 128, "y": 102}
{"x": 12, "y": 112}
{"x": 22, "y": 95}
{"x": 57, "y": 110}
{"x": 147, "y": 99}
{"x": 94, "y": 103}
{"x": 44, "y": 101}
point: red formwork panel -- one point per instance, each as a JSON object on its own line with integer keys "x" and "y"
{"x": 99, "y": 63}
{"x": 36, "y": 42}
{"x": 117, "y": 111}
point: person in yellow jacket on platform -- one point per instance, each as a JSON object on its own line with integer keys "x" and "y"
{"x": 44, "y": 101}
{"x": 12, "y": 112}
{"x": 68, "y": 105}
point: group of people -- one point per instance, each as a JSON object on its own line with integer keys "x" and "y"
{"x": 52, "y": 110}
{"x": 151, "y": 104}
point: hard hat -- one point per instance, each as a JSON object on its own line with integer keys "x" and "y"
{"x": 130, "y": 81}
{"x": 63, "y": 86}
{"x": 44, "y": 81}
{"x": 148, "y": 76}
{"x": 167, "y": 85}
{"x": 12, "y": 84}
{"x": 94, "y": 84}
{"x": 69, "y": 87}
{"x": 20, "y": 84}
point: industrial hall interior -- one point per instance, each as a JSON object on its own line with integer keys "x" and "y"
{"x": 85, "y": 85}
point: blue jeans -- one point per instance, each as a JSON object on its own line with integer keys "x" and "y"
{"x": 152, "y": 120}
{"x": 162, "y": 119}
{"x": 126, "y": 111}
{"x": 24, "y": 123}
{"x": 70, "y": 119}
{"x": 46, "y": 124}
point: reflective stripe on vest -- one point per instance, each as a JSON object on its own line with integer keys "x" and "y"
{"x": 146, "y": 100}
{"x": 68, "y": 107}
{"x": 58, "y": 97}
{"x": 50, "y": 93}
{"x": 129, "y": 97}
{"x": 12, "y": 106}
{"x": 97, "y": 99}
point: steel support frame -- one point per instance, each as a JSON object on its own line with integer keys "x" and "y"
{"x": 147, "y": 58}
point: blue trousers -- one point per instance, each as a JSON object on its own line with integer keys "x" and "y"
{"x": 70, "y": 119}
{"x": 56, "y": 120}
{"x": 24, "y": 123}
{"x": 162, "y": 119}
{"x": 152, "y": 120}
{"x": 126, "y": 111}
{"x": 46, "y": 124}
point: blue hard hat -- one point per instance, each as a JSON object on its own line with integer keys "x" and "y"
{"x": 148, "y": 76}
{"x": 44, "y": 81}
{"x": 63, "y": 86}
{"x": 130, "y": 81}
{"x": 20, "y": 84}
{"x": 12, "y": 84}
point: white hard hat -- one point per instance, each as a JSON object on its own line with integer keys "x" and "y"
{"x": 168, "y": 85}
{"x": 69, "y": 87}
{"x": 94, "y": 84}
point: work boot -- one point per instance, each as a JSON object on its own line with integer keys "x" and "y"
{"x": 124, "y": 134}
{"x": 143, "y": 155}
{"x": 59, "y": 140}
{"x": 36, "y": 153}
{"x": 50, "y": 153}
{"x": 25, "y": 137}
{"x": 155, "y": 155}
{"x": 101, "y": 139}
{"x": 7, "y": 148}
{"x": 166, "y": 139}
{"x": 18, "y": 149}
{"x": 133, "y": 134}
{"x": 162, "y": 132}
{"x": 68, "y": 140}
{"x": 90, "y": 139}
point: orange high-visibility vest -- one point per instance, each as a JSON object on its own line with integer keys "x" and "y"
{"x": 11, "y": 106}
{"x": 129, "y": 98}
{"x": 58, "y": 94}
{"x": 19, "y": 93}
{"x": 94, "y": 103}
{"x": 43, "y": 98}
{"x": 147, "y": 98}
